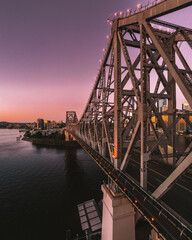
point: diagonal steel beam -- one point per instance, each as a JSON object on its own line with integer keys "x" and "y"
{"x": 130, "y": 67}
{"x": 128, "y": 128}
{"x": 156, "y": 67}
{"x": 164, "y": 187}
{"x": 162, "y": 136}
{"x": 159, "y": 117}
{"x": 171, "y": 66}
{"x": 184, "y": 62}
{"x": 188, "y": 149}
{"x": 133, "y": 138}
{"x": 108, "y": 142}
{"x": 96, "y": 134}
{"x": 90, "y": 135}
{"x": 136, "y": 62}
{"x": 109, "y": 46}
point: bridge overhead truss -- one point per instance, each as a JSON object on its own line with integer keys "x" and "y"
{"x": 71, "y": 118}
{"x": 142, "y": 65}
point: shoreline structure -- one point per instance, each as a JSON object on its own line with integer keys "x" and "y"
{"x": 51, "y": 142}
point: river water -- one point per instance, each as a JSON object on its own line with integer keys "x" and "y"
{"x": 40, "y": 188}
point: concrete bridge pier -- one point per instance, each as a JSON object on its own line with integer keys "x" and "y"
{"x": 68, "y": 136}
{"x": 118, "y": 216}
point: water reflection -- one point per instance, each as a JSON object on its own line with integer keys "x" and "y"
{"x": 41, "y": 187}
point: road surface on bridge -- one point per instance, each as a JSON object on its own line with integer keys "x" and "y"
{"x": 179, "y": 195}
{"x": 166, "y": 222}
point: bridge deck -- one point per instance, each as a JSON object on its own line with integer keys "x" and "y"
{"x": 160, "y": 9}
{"x": 179, "y": 195}
{"x": 166, "y": 222}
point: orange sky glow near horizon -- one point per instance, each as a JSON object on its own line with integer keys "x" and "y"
{"x": 50, "y": 54}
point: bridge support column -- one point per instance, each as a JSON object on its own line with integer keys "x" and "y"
{"x": 172, "y": 111}
{"x": 118, "y": 216}
{"x": 143, "y": 108}
{"x": 117, "y": 103}
{"x": 66, "y": 136}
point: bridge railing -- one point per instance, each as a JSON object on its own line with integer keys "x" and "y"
{"x": 139, "y": 8}
{"x": 128, "y": 185}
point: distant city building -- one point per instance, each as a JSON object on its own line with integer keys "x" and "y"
{"x": 184, "y": 123}
{"x": 34, "y": 125}
{"x": 164, "y": 108}
{"x": 161, "y": 103}
{"x": 186, "y": 107}
{"x": 181, "y": 125}
{"x": 61, "y": 124}
{"x": 53, "y": 124}
{"x": 31, "y": 125}
{"x": 40, "y": 123}
{"x": 48, "y": 124}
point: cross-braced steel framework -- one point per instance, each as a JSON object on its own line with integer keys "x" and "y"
{"x": 71, "y": 118}
{"x": 142, "y": 64}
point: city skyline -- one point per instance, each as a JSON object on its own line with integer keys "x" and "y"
{"x": 50, "y": 54}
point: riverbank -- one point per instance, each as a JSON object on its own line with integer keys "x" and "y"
{"x": 41, "y": 187}
{"x": 51, "y": 142}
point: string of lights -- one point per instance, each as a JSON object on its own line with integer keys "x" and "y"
{"x": 129, "y": 12}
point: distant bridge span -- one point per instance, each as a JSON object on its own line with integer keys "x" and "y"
{"x": 123, "y": 122}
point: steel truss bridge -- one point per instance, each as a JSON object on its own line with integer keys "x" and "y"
{"x": 142, "y": 65}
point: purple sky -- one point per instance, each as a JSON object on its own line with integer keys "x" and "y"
{"x": 50, "y": 51}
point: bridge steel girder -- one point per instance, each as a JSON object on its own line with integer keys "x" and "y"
{"x": 167, "y": 223}
{"x": 119, "y": 94}
{"x": 122, "y": 112}
{"x": 187, "y": 92}
{"x": 109, "y": 107}
{"x": 130, "y": 146}
{"x": 71, "y": 118}
{"x": 117, "y": 102}
{"x": 143, "y": 108}
{"x": 165, "y": 186}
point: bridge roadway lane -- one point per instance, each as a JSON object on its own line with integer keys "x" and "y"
{"x": 178, "y": 197}
{"x": 160, "y": 218}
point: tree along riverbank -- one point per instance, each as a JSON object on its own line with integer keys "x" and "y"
{"x": 51, "y": 142}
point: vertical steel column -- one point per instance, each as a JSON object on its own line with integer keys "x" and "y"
{"x": 94, "y": 120}
{"x": 143, "y": 109}
{"x": 117, "y": 102}
{"x": 104, "y": 140}
{"x": 172, "y": 107}
{"x": 94, "y": 135}
{"x": 148, "y": 91}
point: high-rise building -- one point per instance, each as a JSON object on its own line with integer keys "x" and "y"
{"x": 40, "y": 123}
{"x": 186, "y": 107}
{"x": 47, "y": 124}
{"x": 161, "y": 103}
